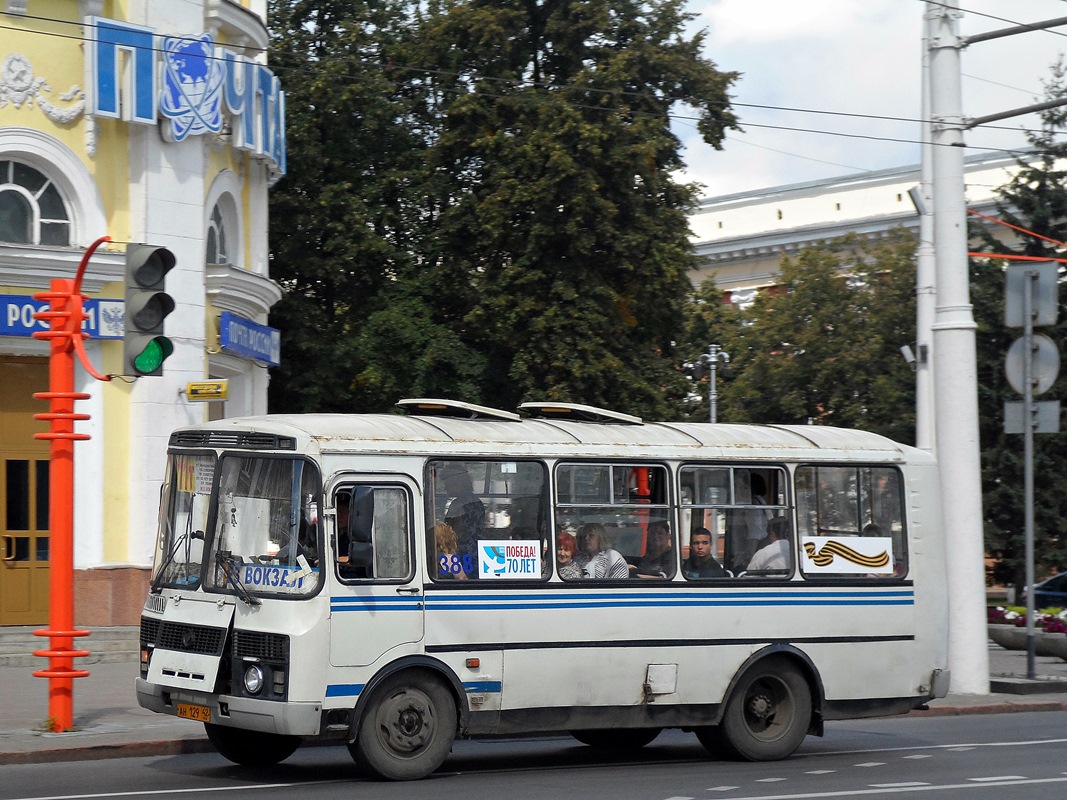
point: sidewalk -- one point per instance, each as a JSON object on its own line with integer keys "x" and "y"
{"x": 110, "y": 724}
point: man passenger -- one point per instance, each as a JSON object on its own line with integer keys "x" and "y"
{"x": 701, "y": 564}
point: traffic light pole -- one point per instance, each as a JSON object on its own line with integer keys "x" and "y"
{"x": 65, "y": 336}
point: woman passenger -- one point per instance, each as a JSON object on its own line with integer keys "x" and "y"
{"x": 595, "y": 558}
{"x": 449, "y": 562}
{"x": 566, "y": 546}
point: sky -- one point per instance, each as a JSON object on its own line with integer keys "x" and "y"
{"x": 854, "y": 57}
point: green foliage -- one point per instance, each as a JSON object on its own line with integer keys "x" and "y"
{"x": 1034, "y": 199}
{"x": 562, "y": 209}
{"x": 481, "y": 200}
{"x": 823, "y": 348}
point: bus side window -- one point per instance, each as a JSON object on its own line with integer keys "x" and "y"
{"x": 377, "y": 537}
{"x": 851, "y": 521}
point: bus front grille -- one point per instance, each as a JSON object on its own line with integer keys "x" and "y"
{"x": 190, "y": 638}
{"x": 255, "y": 644}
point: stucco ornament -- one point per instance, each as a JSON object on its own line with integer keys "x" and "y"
{"x": 20, "y": 87}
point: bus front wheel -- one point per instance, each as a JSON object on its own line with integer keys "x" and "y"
{"x": 251, "y": 748}
{"x": 407, "y": 730}
{"x": 767, "y": 715}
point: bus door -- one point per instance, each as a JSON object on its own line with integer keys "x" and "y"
{"x": 376, "y": 602}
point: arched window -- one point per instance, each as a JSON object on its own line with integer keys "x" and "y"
{"x": 32, "y": 211}
{"x": 217, "y": 252}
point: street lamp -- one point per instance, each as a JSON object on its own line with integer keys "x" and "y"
{"x": 712, "y": 358}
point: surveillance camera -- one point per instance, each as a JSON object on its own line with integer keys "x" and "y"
{"x": 909, "y": 356}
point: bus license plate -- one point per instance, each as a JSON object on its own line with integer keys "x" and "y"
{"x": 191, "y": 711}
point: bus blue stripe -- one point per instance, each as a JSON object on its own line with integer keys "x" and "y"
{"x": 634, "y": 604}
{"x": 344, "y": 689}
{"x": 528, "y": 601}
{"x": 482, "y": 686}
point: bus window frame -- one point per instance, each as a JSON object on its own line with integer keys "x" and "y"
{"x": 349, "y": 482}
{"x": 858, "y": 577}
{"x": 669, "y": 506}
{"x": 430, "y": 511}
{"x": 210, "y": 563}
{"x": 786, "y": 509}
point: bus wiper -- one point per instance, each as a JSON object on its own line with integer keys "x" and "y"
{"x": 158, "y": 580}
{"x": 232, "y": 568}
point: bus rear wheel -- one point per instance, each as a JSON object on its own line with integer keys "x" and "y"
{"x": 251, "y": 748}
{"x": 617, "y": 739}
{"x": 407, "y": 730}
{"x": 767, "y": 715}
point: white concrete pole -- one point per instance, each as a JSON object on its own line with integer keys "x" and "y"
{"x": 925, "y": 266}
{"x": 955, "y": 379}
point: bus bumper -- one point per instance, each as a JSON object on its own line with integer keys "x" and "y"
{"x": 267, "y": 716}
{"x": 939, "y": 682}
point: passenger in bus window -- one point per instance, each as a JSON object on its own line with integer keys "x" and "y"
{"x": 465, "y": 512}
{"x": 450, "y": 564}
{"x": 342, "y": 502}
{"x": 658, "y": 561}
{"x": 774, "y": 554}
{"x": 701, "y": 563}
{"x": 597, "y": 560}
{"x": 566, "y": 565}
{"x": 749, "y": 527}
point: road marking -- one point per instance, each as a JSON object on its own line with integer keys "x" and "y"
{"x": 923, "y": 755}
{"x": 901, "y": 785}
{"x": 942, "y": 747}
{"x": 963, "y": 749}
{"x": 200, "y": 790}
{"x": 870, "y": 764}
{"x": 769, "y": 780}
{"x": 820, "y": 771}
{"x": 723, "y": 788}
{"x": 999, "y": 778}
{"x": 900, "y": 790}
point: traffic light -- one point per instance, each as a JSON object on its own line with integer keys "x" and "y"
{"x": 144, "y": 347}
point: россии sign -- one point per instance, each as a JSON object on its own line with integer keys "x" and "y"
{"x": 104, "y": 317}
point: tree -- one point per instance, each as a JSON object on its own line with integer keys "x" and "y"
{"x": 347, "y": 221}
{"x": 1034, "y": 199}
{"x": 823, "y": 346}
{"x": 562, "y": 234}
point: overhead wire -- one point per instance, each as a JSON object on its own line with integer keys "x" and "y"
{"x": 514, "y": 83}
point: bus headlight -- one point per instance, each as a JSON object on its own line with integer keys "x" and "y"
{"x": 253, "y": 678}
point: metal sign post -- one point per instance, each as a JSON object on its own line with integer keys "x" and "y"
{"x": 1032, "y": 365}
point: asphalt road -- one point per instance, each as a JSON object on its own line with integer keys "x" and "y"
{"x": 1000, "y": 756}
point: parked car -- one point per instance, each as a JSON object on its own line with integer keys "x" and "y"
{"x": 1051, "y": 592}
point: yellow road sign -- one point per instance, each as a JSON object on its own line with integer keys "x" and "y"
{"x": 204, "y": 391}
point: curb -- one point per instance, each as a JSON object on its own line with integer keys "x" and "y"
{"x": 174, "y": 747}
{"x": 991, "y": 708}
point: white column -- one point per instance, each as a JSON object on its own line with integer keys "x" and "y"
{"x": 955, "y": 379}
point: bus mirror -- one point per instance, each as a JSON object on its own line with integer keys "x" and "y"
{"x": 361, "y": 515}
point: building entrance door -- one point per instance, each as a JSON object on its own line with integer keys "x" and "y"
{"x": 24, "y": 462}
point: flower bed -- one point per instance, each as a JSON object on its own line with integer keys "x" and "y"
{"x": 1007, "y": 627}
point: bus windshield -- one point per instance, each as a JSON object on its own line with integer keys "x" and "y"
{"x": 266, "y": 537}
{"x": 183, "y": 514}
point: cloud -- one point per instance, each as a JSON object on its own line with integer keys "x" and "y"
{"x": 856, "y": 58}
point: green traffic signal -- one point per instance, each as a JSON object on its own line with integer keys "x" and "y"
{"x": 151, "y": 359}
{"x": 145, "y": 347}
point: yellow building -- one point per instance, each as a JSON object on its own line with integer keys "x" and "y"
{"x": 148, "y": 121}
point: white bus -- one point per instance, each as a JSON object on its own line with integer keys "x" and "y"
{"x": 396, "y": 581}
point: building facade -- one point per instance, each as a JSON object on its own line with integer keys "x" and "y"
{"x": 740, "y": 238}
{"x": 151, "y": 121}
